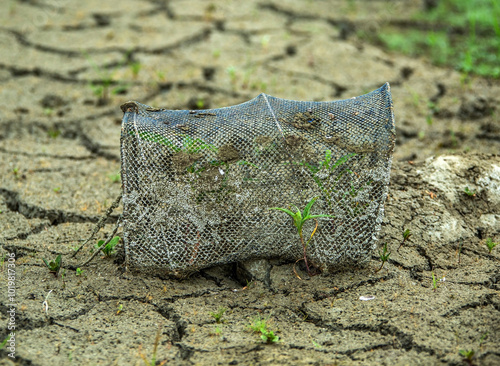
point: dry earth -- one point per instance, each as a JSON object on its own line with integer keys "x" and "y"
{"x": 59, "y": 148}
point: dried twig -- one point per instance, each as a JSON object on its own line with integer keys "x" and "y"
{"x": 100, "y": 223}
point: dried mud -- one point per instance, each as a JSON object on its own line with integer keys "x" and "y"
{"x": 59, "y": 153}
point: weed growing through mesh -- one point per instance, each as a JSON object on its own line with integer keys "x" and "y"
{"x": 329, "y": 165}
{"x": 384, "y": 256}
{"x": 490, "y": 244}
{"x": 109, "y": 249}
{"x": 298, "y": 221}
{"x": 189, "y": 144}
{"x": 54, "y": 266}
{"x": 406, "y": 236}
{"x": 218, "y": 315}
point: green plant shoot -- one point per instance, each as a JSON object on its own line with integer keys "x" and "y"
{"x": 406, "y": 236}
{"x": 299, "y": 218}
{"x": 218, "y": 315}
{"x": 384, "y": 256}
{"x": 469, "y": 193}
{"x": 268, "y": 336}
{"x": 435, "y": 282}
{"x": 490, "y": 244}
{"x": 260, "y": 325}
{"x": 109, "y": 249}
{"x": 467, "y": 354}
{"x": 54, "y": 266}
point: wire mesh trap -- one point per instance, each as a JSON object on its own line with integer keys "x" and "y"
{"x": 198, "y": 185}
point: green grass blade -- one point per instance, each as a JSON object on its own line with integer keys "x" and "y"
{"x": 308, "y": 207}
{"x": 342, "y": 160}
{"x": 284, "y": 210}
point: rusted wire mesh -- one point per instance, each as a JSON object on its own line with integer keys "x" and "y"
{"x": 198, "y": 185}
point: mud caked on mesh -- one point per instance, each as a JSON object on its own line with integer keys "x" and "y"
{"x": 198, "y": 185}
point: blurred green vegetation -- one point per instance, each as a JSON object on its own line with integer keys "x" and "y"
{"x": 464, "y": 34}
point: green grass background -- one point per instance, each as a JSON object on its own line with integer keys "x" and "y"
{"x": 464, "y": 34}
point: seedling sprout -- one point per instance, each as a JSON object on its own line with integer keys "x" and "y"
{"x": 467, "y": 355}
{"x": 406, "y": 236}
{"x": 260, "y": 325}
{"x": 490, "y": 244}
{"x": 384, "y": 256}
{"x": 218, "y": 315}
{"x": 109, "y": 249}
{"x": 298, "y": 221}
{"x": 435, "y": 282}
{"x": 54, "y": 266}
{"x": 469, "y": 193}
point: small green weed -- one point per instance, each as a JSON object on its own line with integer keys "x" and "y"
{"x": 260, "y": 325}
{"x": 115, "y": 178}
{"x": 54, "y": 266}
{"x": 217, "y": 331}
{"x": 490, "y": 244}
{"x": 384, "y": 256}
{"x": 435, "y": 282}
{"x": 216, "y": 53}
{"x": 57, "y": 189}
{"x": 119, "y": 309}
{"x": 160, "y": 75}
{"x": 16, "y": 173}
{"x": 135, "y": 67}
{"x": 109, "y": 249}
{"x": 2, "y": 345}
{"x": 79, "y": 271}
{"x": 231, "y": 71}
{"x": 469, "y": 193}
{"x": 298, "y": 221}
{"x": 406, "y": 236}
{"x": 218, "y": 315}
{"x": 53, "y": 133}
{"x": 468, "y": 355}
{"x": 483, "y": 338}
{"x": 316, "y": 344}
{"x": 268, "y": 336}
{"x": 257, "y": 324}
{"x": 200, "y": 103}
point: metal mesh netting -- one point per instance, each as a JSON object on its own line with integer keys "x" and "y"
{"x": 198, "y": 185}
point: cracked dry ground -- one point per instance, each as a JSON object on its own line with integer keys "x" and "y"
{"x": 66, "y": 69}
